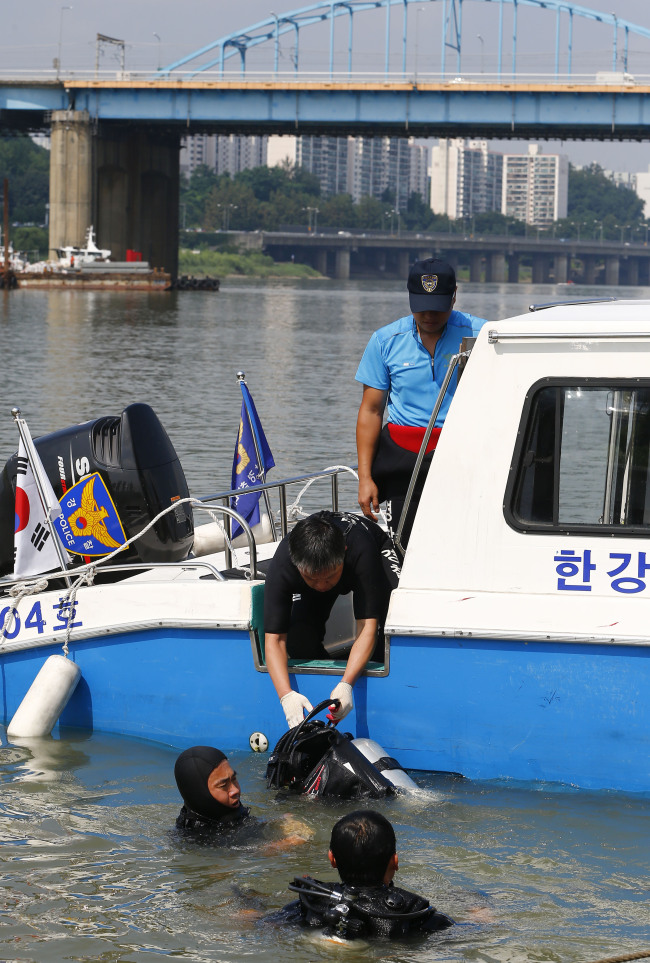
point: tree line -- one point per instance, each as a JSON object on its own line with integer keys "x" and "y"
{"x": 270, "y": 198}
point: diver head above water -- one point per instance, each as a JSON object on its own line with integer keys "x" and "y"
{"x": 363, "y": 849}
{"x": 209, "y": 787}
{"x": 366, "y": 902}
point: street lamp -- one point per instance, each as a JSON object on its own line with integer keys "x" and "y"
{"x": 315, "y": 212}
{"x": 227, "y": 208}
{"x": 58, "y": 59}
{"x": 158, "y": 39}
{"x": 479, "y": 37}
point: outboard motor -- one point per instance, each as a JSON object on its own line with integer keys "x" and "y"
{"x": 316, "y": 759}
{"x": 136, "y": 475}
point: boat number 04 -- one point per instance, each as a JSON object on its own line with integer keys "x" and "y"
{"x": 36, "y": 620}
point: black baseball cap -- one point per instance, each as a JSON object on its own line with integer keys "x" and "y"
{"x": 431, "y": 285}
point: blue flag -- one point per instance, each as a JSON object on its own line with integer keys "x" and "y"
{"x": 246, "y": 468}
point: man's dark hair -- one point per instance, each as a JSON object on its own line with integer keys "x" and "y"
{"x": 362, "y": 844}
{"x": 316, "y": 545}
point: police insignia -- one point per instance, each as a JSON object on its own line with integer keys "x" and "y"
{"x": 429, "y": 282}
{"x": 89, "y": 524}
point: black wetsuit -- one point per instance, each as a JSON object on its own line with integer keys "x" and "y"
{"x": 188, "y": 819}
{"x": 371, "y": 571}
{"x": 361, "y": 911}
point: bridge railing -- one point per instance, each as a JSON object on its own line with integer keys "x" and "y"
{"x": 599, "y": 79}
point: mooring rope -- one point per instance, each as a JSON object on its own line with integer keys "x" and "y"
{"x": 18, "y": 593}
{"x": 295, "y": 509}
{"x": 87, "y": 578}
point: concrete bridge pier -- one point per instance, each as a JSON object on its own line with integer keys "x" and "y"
{"x": 123, "y": 180}
{"x": 321, "y": 260}
{"x": 632, "y": 271}
{"x": 496, "y": 268}
{"x": 513, "y": 268}
{"x": 539, "y": 269}
{"x": 475, "y": 262}
{"x": 588, "y": 268}
{"x": 561, "y": 268}
{"x": 403, "y": 264}
{"x": 342, "y": 264}
{"x": 612, "y": 269}
{"x": 71, "y": 181}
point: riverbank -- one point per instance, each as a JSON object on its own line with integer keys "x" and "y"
{"x": 251, "y": 264}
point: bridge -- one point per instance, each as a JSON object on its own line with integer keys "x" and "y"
{"x": 490, "y": 258}
{"x": 115, "y": 139}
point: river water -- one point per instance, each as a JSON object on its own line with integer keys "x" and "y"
{"x": 89, "y": 868}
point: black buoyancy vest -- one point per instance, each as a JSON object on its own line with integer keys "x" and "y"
{"x": 357, "y": 911}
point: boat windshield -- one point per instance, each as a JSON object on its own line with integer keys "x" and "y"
{"x": 585, "y": 459}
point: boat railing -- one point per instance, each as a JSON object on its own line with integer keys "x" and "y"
{"x": 280, "y": 487}
{"x": 219, "y": 502}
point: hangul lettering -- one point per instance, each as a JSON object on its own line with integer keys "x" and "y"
{"x": 629, "y": 585}
{"x": 571, "y": 564}
{"x": 63, "y": 612}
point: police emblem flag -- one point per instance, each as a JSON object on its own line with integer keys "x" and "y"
{"x": 36, "y": 546}
{"x": 253, "y": 458}
{"x": 89, "y": 524}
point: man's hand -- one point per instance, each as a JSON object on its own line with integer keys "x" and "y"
{"x": 342, "y": 692}
{"x": 294, "y": 705}
{"x": 368, "y": 498}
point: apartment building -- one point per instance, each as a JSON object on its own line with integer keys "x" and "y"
{"x": 366, "y": 166}
{"x": 222, "y": 153}
{"x": 466, "y": 178}
{"x": 535, "y": 186}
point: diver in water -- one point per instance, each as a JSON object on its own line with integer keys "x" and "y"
{"x": 213, "y": 810}
{"x": 366, "y": 902}
{"x": 210, "y": 790}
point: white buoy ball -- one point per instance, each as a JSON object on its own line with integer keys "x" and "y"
{"x": 259, "y": 742}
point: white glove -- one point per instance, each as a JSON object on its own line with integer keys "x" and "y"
{"x": 342, "y": 692}
{"x": 293, "y": 704}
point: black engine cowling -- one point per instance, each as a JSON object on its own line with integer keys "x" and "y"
{"x": 140, "y": 469}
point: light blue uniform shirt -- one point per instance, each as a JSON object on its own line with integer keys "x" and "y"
{"x": 396, "y": 361}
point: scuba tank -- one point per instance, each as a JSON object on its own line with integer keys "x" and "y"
{"x": 384, "y": 763}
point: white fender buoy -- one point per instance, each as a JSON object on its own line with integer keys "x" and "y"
{"x": 46, "y": 698}
{"x": 389, "y": 767}
{"x": 209, "y": 538}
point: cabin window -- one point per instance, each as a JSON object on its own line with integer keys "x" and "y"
{"x": 583, "y": 459}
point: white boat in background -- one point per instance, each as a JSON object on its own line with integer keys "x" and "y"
{"x": 517, "y": 643}
{"x": 17, "y": 260}
{"x": 72, "y": 257}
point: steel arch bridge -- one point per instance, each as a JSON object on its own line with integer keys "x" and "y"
{"x": 215, "y": 55}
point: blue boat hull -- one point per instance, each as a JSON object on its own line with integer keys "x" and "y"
{"x": 572, "y": 713}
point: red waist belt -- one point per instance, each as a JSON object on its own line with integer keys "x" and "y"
{"x": 410, "y": 437}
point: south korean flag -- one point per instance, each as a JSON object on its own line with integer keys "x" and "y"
{"x": 34, "y": 548}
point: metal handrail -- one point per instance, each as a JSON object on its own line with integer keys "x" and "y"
{"x": 7, "y": 581}
{"x": 281, "y": 487}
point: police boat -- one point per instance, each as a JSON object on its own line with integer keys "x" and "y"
{"x": 516, "y": 645}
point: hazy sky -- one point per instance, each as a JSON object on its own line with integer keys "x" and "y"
{"x": 158, "y": 32}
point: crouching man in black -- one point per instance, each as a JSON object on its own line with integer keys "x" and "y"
{"x": 326, "y": 555}
{"x": 365, "y": 902}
